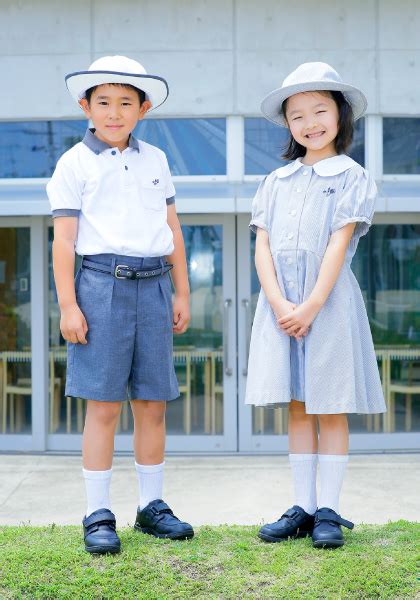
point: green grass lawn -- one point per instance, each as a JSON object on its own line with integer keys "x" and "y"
{"x": 220, "y": 562}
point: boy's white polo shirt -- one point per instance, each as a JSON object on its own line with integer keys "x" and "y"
{"x": 119, "y": 197}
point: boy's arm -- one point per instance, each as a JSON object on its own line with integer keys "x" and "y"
{"x": 300, "y": 319}
{"x": 72, "y": 324}
{"x": 181, "y": 305}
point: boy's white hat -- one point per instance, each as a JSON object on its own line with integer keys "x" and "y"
{"x": 310, "y": 77}
{"x": 118, "y": 69}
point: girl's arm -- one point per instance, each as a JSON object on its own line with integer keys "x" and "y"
{"x": 72, "y": 323}
{"x": 181, "y": 305}
{"x": 268, "y": 277}
{"x": 298, "y": 321}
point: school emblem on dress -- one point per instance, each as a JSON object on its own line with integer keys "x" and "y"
{"x": 155, "y": 181}
{"x": 328, "y": 191}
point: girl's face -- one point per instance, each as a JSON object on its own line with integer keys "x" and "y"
{"x": 313, "y": 121}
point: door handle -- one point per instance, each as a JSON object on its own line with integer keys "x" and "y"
{"x": 246, "y": 305}
{"x": 226, "y": 307}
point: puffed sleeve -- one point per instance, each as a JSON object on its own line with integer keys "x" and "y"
{"x": 260, "y": 208}
{"x": 356, "y": 203}
{"x": 65, "y": 189}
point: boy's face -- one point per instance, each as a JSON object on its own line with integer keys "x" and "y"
{"x": 114, "y": 111}
{"x": 313, "y": 120}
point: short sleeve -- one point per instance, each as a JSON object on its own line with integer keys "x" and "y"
{"x": 356, "y": 203}
{"x": 170, "y": 188}
{"x": 260, "y": 208}
{"x": 65, "y": 189}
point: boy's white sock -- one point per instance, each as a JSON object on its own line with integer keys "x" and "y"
{"x": 304, "y": 480}
{"x": 331, "y": 468}
{"x": 97, "y": 489}
{"x": 150, "y": 479}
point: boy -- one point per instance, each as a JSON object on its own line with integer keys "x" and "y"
{"x": 112, "y": 200}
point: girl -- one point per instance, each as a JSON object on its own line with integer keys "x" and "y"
{"x": 311, "y": 346}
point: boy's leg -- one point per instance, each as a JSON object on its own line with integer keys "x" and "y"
{"x": 153, "y": 515}
{"x": 333, "y": 458}
{"x": 149, "y": 448}
{"x": 98, "y": 450}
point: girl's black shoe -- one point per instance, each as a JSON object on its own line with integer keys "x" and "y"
{"x": 99, "y": 532}
{"x": 327, "y": 531}
{"x": 294, "y": 523}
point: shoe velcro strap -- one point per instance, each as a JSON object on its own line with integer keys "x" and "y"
{"x": 105, "y": 517}
{"x": 162, "y": 507}
{"x": 291, "y": 513}
{"x": 334, "y": 518}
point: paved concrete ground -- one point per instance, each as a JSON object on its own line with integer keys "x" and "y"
{"x": 206, "y": 490}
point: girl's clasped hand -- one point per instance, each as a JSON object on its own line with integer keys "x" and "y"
{"x": 297, "y": 319}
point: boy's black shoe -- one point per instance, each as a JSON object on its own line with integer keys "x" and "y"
{"x": 294, "y": 523}
{"x": 99, "y": 532}
{"x": 327, "y": 531}
{"x": 158, "y": 519}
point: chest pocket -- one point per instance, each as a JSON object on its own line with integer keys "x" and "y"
{"x": 153, "y": 193}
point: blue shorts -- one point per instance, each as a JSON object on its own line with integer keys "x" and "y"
{"x": 129, "y": 354}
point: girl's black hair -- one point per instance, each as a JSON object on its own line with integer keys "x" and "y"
{"x": 142, "y": 95}
{"x": 345, "y": 129}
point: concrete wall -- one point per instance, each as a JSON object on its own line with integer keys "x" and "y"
{"x": 219, "y": 56}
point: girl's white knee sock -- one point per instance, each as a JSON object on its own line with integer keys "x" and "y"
{"x": 304, "y": 479}
{"x": 97, "y": 485}
{"x": 150, "y": 478}
{"x": 331, "y": 468}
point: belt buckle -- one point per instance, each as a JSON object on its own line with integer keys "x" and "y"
{"x": 116, "y": 272}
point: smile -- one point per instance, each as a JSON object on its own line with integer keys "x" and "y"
{"x": 314, "y": 135}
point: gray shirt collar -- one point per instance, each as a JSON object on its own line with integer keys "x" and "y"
{"x": 97, "y": 146}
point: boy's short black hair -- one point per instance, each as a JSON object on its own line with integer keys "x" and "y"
{"x": 142, "y": 95}
{"x": 345, "y": 129}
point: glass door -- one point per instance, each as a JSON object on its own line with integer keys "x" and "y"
{"x": 204, "y": 418}
{"x": 387, "y": 268}
{"x": 15, "y": 335}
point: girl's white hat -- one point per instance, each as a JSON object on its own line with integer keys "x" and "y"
{"x": 118, "y": 69}
{"x": 310, "y": 77}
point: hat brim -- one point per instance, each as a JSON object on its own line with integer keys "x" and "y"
{"x": 272, "y": 103}
{"x": 155, "y": 88}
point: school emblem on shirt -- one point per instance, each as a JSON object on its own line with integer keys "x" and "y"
{"x": 328, "y": 192}
{"x": 155, "y": 181}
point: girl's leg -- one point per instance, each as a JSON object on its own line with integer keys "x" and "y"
{"x": 98, "y": 449}
{"x": 333, "y": 458}
{"x": 303, "y": 448}
{"x": 149, "y": 448}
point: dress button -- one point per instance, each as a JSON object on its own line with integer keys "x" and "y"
{"x": 293, "y": 212}
{"x": 289, "y": 261}
{"x": 298, "y": 190}
{"x": 305, "y": 172}
{"x": 113, "y": 152}
{"x": 290, "y": 235}
{"x": 291, "y": 284}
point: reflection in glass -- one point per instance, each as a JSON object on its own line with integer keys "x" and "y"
{"x": 266, "y": 142}
{"x": 401, "y": 143}
{"x": 15, "y": 331}
{"x": 192, "y": 146}
{"x": 198, "y": 354}
{"x": 32, "y": 148}
{"x": 387, "y": 267}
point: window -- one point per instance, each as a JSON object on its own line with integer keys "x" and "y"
{"x": 401, "y": 142}
{"x": 193, "y": 146}
{"x": 265, "y": 143}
